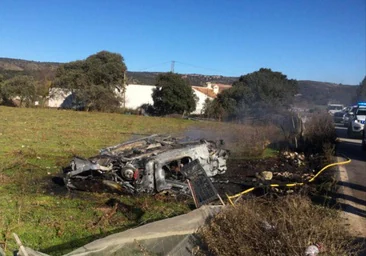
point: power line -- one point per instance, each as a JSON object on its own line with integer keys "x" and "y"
{"x": 173, "y": 62}
{"x": 220, "y": 72}
{"x": 195, "y": 66}
{"x": 156, "y": 65}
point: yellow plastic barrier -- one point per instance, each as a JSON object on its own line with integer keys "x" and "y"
{"x": 237, "y": 196}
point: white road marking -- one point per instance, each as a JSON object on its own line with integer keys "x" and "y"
{"x": 357, "y": 223}
{"x": 351, "y": 140}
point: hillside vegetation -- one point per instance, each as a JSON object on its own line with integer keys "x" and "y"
{"x": 312, "y": 92}
{"x": 322, "y": 93}
{"x": 11, "y": 67}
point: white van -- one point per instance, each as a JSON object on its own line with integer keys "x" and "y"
{"x": 333, "y": 108}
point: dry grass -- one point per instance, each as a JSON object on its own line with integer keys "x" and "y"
{"x": 320, "y": 134}
{"x": 244, "y": 141}
{"x": 283, "y": 226}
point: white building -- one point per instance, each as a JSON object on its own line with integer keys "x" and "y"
{"x": 202, "y": 93}
{"x": 137, "y": 95}
{"x": 59, "y": 97}
{"x": 210, "y": 92}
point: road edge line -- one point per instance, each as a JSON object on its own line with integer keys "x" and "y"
{"x": 350, "y": 218}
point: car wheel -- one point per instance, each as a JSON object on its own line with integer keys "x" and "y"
{"x": 363, "y": 141}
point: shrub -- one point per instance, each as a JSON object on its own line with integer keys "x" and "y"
{"x": 250, "y": 141}
{"x": 283, "y": 226}
{"x": 320, "y": 133}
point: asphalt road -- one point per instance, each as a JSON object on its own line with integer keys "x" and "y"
{"x": 353, "y": 181}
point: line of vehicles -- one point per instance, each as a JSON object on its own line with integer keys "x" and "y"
{"x": 352, "y": 117}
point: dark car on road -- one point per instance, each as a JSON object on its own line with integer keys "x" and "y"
{"x": 338, "y": 117}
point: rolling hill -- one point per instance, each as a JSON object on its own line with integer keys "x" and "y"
{"x": 322, "y": 93}
{"x": 310, "y": 92}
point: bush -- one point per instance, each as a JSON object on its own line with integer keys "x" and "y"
{"x": 320, "y": 134}
{"x": 250, "y": 141}
{"x": 283, "y": 226}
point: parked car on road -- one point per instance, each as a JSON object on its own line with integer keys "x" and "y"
{"x": 348, "y": 116}
{"x": 357, "y": 123}
{"x": 334, "y": 108}
{"x": 338, "y": 117}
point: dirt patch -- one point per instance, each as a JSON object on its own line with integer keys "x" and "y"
{"x": 243, "y": 173}
{"x": 4, "y": 179}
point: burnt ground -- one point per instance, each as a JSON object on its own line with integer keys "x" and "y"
{"x": 240, "y": 175}
{"x": 243, "y": 173}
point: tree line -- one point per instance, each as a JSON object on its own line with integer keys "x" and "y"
{"x": 97, "y": 83}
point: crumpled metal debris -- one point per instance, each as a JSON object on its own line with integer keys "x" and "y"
{"x": 315, "y": 249}
{"x": 312, "y": 250}
{"x": 147, "y": 165}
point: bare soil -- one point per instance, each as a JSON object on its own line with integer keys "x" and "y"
{"x": 243, "y": 173}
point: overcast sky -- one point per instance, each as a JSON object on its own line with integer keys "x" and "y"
{"x": 320, "y": 40}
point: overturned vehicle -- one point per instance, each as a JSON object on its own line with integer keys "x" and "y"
{"x": 148, "y": 165}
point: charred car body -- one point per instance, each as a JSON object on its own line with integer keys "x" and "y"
{"x": 147, "y": 165}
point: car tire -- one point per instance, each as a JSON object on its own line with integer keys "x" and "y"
{"x": 363, "y": 141}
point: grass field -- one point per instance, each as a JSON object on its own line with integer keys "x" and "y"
{"x": 36, "y": 143}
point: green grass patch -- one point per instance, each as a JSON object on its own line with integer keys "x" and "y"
{"x": 269, "y": 152}
{"x": 37, "y": 143}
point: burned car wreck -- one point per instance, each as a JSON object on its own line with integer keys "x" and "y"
{"x": 148, "y": 165}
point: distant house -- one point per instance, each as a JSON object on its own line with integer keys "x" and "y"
{"x": 220, "y": 87}
{"x": 137, "y": 95}
{"x": 210, "y": 92}
{"x": 202, "y": 93}
{"x": 60, "y": 98}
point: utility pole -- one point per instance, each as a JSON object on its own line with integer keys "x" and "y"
{"x": 172, "y": 66}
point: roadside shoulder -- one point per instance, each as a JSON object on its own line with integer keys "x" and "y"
{"x": 356, "y": 223}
